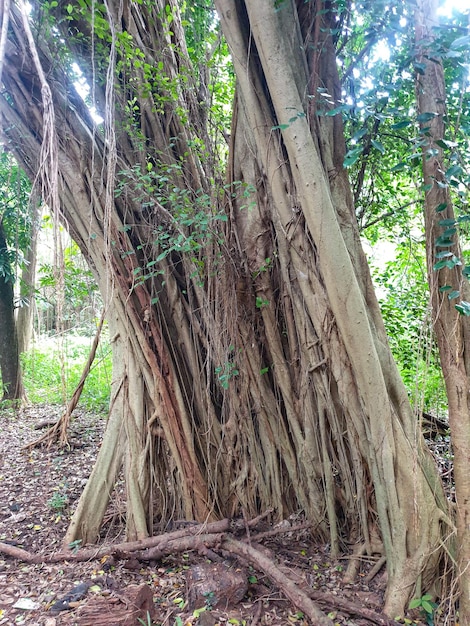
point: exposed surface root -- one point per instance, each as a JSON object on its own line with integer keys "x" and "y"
{"x": 219, "y": 538}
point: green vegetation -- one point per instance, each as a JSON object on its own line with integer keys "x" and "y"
{"x": 404, "y": 301}
{"x": 427, "y": 606}
{"x": 58, "y": 502}
{"x": 42, "y": 372}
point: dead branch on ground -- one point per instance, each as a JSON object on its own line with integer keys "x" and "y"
{"x": 217, "y": 537}
{"x": 60, "y": 428}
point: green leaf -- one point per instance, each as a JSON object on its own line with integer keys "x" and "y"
{"x": 427, "y": 606}
{"x": 453, "y": 294}
{"x": 453, "y": 54}
{"x": 399, "y": 167}
{"x": 466, "y": 271}
{"x": 443, "y": 254}
{"x": 336, "y": 110}
{"x": 426, "y": 117}
{"x": 352, "y": 156}
{"x": 450, "y": 263}
{"x": 378, "y": 146}
{"x": 197, "y": 612}
{"x": 463, "y": 308}
{"x": 400, "y": 125}
{"x": 441, "y": 207}
{"x": 420, "y": 67}
{"x": 455, "y": 170}
{"x": 447, "y": 222}
{"x": 460, "y": 42}
{"x": 443, "y": 143}
{"x": 443, "y": 242}
{"x": 445, "y": 288}
{"x": 359, "y": 134}
{"x": 441, "y": 264}
{"x": 415, "y": 603}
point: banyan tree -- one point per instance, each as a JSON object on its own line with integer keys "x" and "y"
{"x": 251, "y": 364}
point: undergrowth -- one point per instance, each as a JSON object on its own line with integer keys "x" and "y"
{"x": 43, "y": 379}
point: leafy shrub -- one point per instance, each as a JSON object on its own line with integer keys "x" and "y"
{"x": 404, "y": 301}
{"x": 42, "y": 373}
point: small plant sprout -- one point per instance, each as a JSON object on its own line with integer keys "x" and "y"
{"x": 75, "y": 545}
{"x": 147, "y": 621}
{"x": 58, "y": 502}
{"x": 261, "y": 302}
{"x": 427, "y": 607}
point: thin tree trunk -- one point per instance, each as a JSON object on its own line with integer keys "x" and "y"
{"x": 25, "y": 313}
{"x": 452, "y": 329}
{"x": 9, "y": 355}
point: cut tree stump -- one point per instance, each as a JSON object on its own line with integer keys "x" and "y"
{"x": 123, "y": 609}
{"x": 215, "y": 585}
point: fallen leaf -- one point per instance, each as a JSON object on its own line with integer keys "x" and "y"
{"x": 26, "y": 604}
{"x": 6, "y": 600}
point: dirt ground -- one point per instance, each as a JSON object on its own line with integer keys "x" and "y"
{"x": 38, "y": 490}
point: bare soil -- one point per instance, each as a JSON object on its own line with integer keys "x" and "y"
{"x": 38, "y": 490}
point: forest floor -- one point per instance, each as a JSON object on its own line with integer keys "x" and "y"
{"x": 38, "y": 490}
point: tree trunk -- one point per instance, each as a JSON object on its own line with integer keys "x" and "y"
{"x": 9, "y": 355}
{"x": 448, "y": 285}
{"x": 327, "y": 284}
{"x": 24, "y": 316}
{"x": 251, "y": 364}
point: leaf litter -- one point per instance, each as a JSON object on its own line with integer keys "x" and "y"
{"x": 38, "y": 491}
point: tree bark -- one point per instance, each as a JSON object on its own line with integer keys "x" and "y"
{"x": 452, "y": 329}
{"x": 251, "y": 364}
{"x": 9, "y": 355}
{"x": 335, "y": 286}
{"x": 25, "y": 313}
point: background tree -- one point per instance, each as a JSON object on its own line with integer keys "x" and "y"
{"x": 450, "y": 292}
{"x": 15, "y": 227}
{"x": 9, "y": 355}
{"x": 82, "y": 303}
{"x": 251, "y": 364}
{"x": 27, "y": 286}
